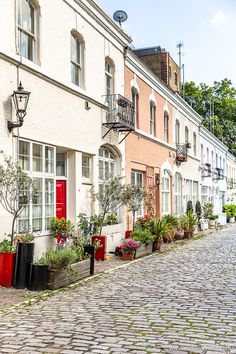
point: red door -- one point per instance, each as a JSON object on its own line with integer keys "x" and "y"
{"x": 61, "y": 199}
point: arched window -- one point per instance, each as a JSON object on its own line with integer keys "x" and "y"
{"x": 166, "y": 126}
{"x": 152, "y": 117}
{"x": 109, "y": 76}
{"x": 177, "y": 132}
{"x": 77, "y": 59}
{"x": 194, "y": 144}
{"x": 107, "y": 164}
{"x": 135, "y": 98}
{"x": 166, "y": 206}
{"x": 28, "y": 29}
{"x": 216, "y": 160}
{"x": 178, "y": 195}
{"x": 212, "y": 159}
{"x": 186, "y": 135}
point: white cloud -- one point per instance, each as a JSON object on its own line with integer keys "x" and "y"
{"x": 218, "y": 18}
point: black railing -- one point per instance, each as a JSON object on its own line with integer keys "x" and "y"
{"x": 206, "y": 170}
{"x": 181, "y": 152}
{"x": 218, "y": 174}
{"x": 120, "y": 112}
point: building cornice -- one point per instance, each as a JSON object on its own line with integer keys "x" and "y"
{"x": 212, "y": 139}
{"x": 44, "y": 77}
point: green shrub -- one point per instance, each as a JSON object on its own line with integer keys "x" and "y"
{"x": 61, "y": 258}
{"x": 189, "y": 208}
{"x": 142, "y": 236}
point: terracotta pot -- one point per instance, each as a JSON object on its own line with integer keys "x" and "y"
{"x": 128, "y": 256}
{"x": 169, "y": 236}
{"x": 157, "y": 245}
{"x": 188, "y": 233}
{"x": 179, "y": 235}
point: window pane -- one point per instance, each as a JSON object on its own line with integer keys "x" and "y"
{"x": 24, "y": 155}
{"x": 49, "y": 201}
{"x": 85, "y": 166}
{"x": 37, "y": 158}
{"x": 49, "y": 159}
{"x": 60, "y": 164}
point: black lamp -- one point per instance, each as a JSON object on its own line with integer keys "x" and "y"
{"x": 20, "y": 99}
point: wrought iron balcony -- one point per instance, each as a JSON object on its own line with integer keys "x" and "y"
{"x": 218, "y": 174}
{"x": 206, "y": 170}
{"x": 181, "y": 153}
{"x": 230, "y": 183}
{"x": 119, "y": 115}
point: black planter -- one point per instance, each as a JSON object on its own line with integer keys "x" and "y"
{"x": 89, "y": 249}
{"x": 24, "y": 256}
{"x": 38, "y": 277}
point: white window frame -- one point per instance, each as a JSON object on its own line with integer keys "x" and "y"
{"x": 77, "y": 65}
{"x": 166, "y": 193}
{"x": 32, "y": 36}
{"x": 178, "y": 194}
{"x": 177, "y": 132}
{"x": 44, "y": 176}
{"x": 166, "y": 126}
{"x": 109, "y": 77}
{"x": 152, "y": 118}
{"x": 84, "y": 178}
{"x": 137, "y": 175}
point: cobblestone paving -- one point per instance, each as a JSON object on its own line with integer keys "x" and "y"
{"x": 176, "y": 303}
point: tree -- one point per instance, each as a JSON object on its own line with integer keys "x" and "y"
{"x": 134, "y": 197}
{"x": 217, "y": 106}
{"x": 16, "y": 189}
{"x": 110, "y": 197}
{"x": 189, "y": 208}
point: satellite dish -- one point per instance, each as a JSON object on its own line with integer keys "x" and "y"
{"x": 120, "y": 16}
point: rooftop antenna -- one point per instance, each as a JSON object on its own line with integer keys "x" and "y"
{"x": 120, "y": 16}
{"x": 180, "y": 54}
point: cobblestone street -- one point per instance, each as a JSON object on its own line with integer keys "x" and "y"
{"x": 179, "y": 302}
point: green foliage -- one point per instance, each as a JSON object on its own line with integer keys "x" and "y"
{"x": 208, "y": 209}
{"x": 198, "y": 209}
{"x": 188, "y": 221}
{"x": 61, "y": 227}
{"x": 171, "y": 221}
{"x": 16, "y": 189}
{"x": 189, "y": 208}
{"x": 217, "y": 106}
{"x": 144, "y": 222}
{"x": 6, "y": 247}
{"x": 60, "y": 258}
{"x": 142, "y": 236}
{"x": 159, "y": 228}
{"x": 213, "y": 217}
{"x": 25, "y": 238}
{"x": 230, "y": 210}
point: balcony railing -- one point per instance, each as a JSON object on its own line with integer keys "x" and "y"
{"x": 206, "y": 170}
{"x": 181, "y": 153}
{"x": 230, "y": 183}
{"x": 218, "y": 174}
{"x": 119, "y": 115}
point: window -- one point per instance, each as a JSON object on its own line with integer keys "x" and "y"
{"x": 109, "y": 77}
{"x": 176, "y": 79}
{"x": 204, "y": 195}
{"x": 186, "y": 135}
{"x": 202, "y": 155}
{"x": 170, "y": 74}
{"x": 194, "y": 144}
{"x": 166, "y": 208}
{"x": 188, "y": 190}
{"x": 216, "y": 160}
{"x": 61, "y": 164}
{"x": 177, "y": 132}
{"x": 162, "y": 70}
{"x": 137, "y": 179}
{"x": 207, "y": 155}
{"x": 77, "y": 60}
{"x": 178, "y": 195}
{"x": 152, "y": 118}
{"x": 86, "y": 167}
{"x": 27, "y": 25}
{"x": 166, "y": 127}
{"x": 135, "y": 105}
{"x": 212, "y": 159}
{"x": 38, "y": 160}
{"x": 195, "y": 193}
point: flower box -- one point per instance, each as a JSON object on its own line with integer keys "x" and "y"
{"x": 60, "y": 278}
{"x": 143, "y": 250}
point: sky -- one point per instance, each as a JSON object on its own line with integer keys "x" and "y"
{"x": 207, "y": 29}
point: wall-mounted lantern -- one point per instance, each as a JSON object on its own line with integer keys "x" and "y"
{"x": 20, "y": 99}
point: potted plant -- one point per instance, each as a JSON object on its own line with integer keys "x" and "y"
{"x": 38, "y": 278}
{"x": 145, "y": 239}
{"x": 158, "y": 229}
{"x": 24, "y": 257}
{"x": 189, "y": 223}
{"x": 179, "y": 231}
{"x": 17, "y": 189}
{"x": 66, "y": 265}
{"x": 189, "y": 208}
{"x": 227, "y": 208}
{"x": 212, "y": 221}
{"x": 111, "y": 219}
{"x": 61, "y": 229}
{"x": 7, "y": 262}
{"x": 171, "y": 222}
{"x": 128, "y": 249}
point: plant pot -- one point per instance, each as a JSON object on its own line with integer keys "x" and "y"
{"x": 24, "y": 256}
{"x": 38, "y": 278}
{"x": 169, "y": 236}
{"x": 89, "y": 249}
{"x": 128, "y": 256}
{"x": 179, "y": 235}
{"x": 100, "y": 252}
{"x": 211, "y": 224}
{"x": 188, "y": 234}
{"x": 128, "y": 234}
{"x": 60, "y": 278}
{"x": 156, "y": 246}
{"x": 7, "y": 263}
